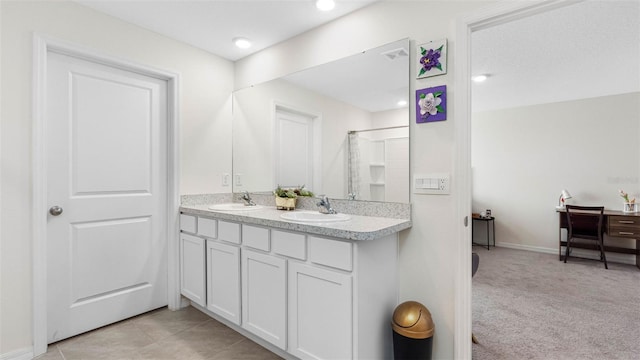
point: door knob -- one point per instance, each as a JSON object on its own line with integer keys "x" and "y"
{"x": 55, "y": 210}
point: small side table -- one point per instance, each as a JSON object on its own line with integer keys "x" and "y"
{"x": 486, "y": 220}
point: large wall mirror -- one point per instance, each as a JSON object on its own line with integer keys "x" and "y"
{"x": 340, "y": 129}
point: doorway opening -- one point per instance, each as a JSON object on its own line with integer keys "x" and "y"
{"x": 498, "y": 15}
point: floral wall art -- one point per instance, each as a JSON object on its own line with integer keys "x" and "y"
{"x": 432, "y": 58}
{"x": 431, "y": 104}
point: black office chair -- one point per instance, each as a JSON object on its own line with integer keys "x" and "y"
{"x": 586, "y": 222}
{"x": 475, "y": 261}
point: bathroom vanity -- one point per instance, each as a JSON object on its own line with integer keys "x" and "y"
{"x": 303, "y": 288}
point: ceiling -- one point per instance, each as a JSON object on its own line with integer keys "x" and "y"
{"x": 584, "y": 50}
{"x": 211, "y": 25}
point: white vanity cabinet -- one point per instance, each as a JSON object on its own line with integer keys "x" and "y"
{"x": 303, "y": 295}
{"x": 341, "y": 299}
{"x": 264, "y": 286}
{"x": 320, "y": 313}
{"x": 192, "y": 261}
{"x": 209, "y": 268}
{"x": 264, "y": 296}
{"x": 223, "y": 280}
{"x": 192, "y": 264}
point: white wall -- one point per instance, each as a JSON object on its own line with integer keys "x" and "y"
{"x": 390, "y": 118}
{"x": 428, "y": 250}
{"x": 205, "y": 115}
{"x": 523, "y": 157}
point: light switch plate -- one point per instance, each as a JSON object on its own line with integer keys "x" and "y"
{"x": 431, "y": 184}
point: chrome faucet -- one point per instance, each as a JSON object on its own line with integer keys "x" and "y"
{"x": 325, "y": 206}
{"x": 247, "y": 199}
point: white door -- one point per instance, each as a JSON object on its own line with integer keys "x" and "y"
{"x": 223, "y": 280}
{"x": 294, "y": 149}
{"x": 107, "y": 172}
{"x": 264, "y": 298}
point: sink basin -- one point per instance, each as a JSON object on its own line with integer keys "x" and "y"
{"x": 314, "y": 217}
{"x": 234, "y": 207}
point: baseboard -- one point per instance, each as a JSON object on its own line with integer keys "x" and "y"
{"x": 20, "y": 354}
{"x": 584, "y": 253}
{"x": 539, "y": 249}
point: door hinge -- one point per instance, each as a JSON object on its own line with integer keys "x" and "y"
{"x": 466, "y": 221}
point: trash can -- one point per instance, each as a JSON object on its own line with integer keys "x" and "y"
{"x": 412, "y": 331}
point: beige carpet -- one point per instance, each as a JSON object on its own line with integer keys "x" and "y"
{"x": 529, "y": 305}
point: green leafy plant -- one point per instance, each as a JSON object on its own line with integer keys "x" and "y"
{"x": 291, "y": 193}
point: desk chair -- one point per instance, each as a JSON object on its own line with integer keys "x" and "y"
{"x": 475, "y": 261}
{"x": 586, "y": 222}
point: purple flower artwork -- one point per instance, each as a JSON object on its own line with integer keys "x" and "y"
{"x": 432, "y": 58}
{"x": 431, "y": 104}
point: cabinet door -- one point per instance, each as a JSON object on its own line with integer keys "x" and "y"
{"x": 192, "y": 268}
{"x": 223, "y": 280}
{"x": 320, "y": 313}
{"x": 264, "y": 296}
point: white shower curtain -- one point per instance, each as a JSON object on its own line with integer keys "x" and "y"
{"x": 354, "y": 166}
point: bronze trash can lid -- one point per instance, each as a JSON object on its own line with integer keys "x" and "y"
{"x": 413, "y": 320}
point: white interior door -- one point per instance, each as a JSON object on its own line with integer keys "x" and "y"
{"x": 294, "y": 149}
{"x": 107, "y": 172}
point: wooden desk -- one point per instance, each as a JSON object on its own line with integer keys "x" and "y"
{"x": 617, "y": 224}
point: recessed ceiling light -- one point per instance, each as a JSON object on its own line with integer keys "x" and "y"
{"x": 325, "y": 5}
{"x": 242, "y": 43}
{"x": 479, "y": 78}
{"x": 402, "y": 102}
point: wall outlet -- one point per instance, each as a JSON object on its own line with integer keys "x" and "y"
{"x": 431, "y": 184}
{"x": 225, "y": 179}
{"x": 238, "y": 181}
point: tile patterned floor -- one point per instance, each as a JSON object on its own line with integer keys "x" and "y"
{"x": 160, "y": 334}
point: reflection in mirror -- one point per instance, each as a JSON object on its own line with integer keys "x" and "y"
{"x": 378, "y": 164}
{"x": 340, "y": 129}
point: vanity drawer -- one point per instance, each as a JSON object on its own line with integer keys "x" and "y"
{"x": 188, "y": 223}
{"x": 289, "y": 244}
{"x": 333, "y": 253}
{"x": 207, "y": 227}
{"x": 255, "y": 237}
{"x": 228, "y": 231}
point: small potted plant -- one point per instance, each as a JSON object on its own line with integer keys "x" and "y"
{"x": 286, "y": 198}
{"x": 629, "y": 206}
